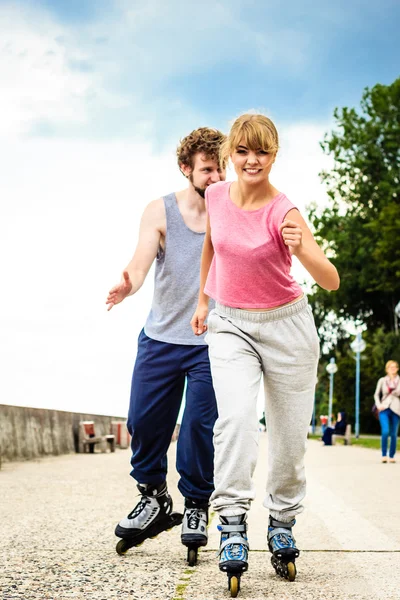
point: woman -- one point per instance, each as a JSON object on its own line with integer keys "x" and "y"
{"x": 388, "y": 404}
{"x": 262, "y": 324}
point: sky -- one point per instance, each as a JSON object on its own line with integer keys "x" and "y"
{"x": 94, "y": 98}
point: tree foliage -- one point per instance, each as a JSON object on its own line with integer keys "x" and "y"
{"x": 360, "y": 229}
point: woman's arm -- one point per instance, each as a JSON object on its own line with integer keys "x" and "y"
{"x": 377, "y": 393}
{"x": 298, "y": 237}
{"x": 207, "y": 255}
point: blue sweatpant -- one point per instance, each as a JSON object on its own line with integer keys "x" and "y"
{"x": 157, "y": 388}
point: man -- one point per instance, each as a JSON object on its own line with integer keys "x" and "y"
{"x": 172, "y": 232}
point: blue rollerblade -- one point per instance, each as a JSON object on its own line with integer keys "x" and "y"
{"x": 233, "y": 550}
{"x": 282, "y": 545}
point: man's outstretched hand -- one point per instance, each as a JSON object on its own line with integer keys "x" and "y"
{"x": 120, "y": 291}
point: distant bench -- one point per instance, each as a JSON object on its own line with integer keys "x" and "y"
{"x": 346, "y": 437}
{"x": 88, "y": 438}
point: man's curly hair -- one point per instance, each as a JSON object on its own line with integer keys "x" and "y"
{"x": 205, "y": 140}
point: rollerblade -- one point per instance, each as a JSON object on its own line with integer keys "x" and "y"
{"x": 233, "y": 550}
{"x": 194, "y": 528}
{"x": 152, "y": 515}
{"x": 282, "y": 545}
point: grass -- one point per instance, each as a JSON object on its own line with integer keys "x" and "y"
{"x": 373, "y": 442}
{"x": 183, "y": 583}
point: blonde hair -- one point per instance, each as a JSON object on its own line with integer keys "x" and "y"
{"x": 391, "y": 362}
{"x": 256, "y": 131}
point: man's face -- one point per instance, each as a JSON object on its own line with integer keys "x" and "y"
{"x": 205, "y": 172}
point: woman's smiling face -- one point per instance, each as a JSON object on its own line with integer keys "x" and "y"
{"x": 252, "y": 166}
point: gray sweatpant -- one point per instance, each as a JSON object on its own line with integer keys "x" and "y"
{"x": 283, "y": 345}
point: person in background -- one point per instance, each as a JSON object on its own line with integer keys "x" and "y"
{"x": 324, "y": 423}
{"x": 339, "y": 428}
{"x": 387, "y": 401}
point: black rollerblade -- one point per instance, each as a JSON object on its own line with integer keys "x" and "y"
{"x": 152, "y": 515}
{"x": 194, "y": 528}
{"x": 282, "y": 545}
{"x": 233, "y": 550}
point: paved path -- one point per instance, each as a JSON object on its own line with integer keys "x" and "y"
{"x": 57, "y": 517}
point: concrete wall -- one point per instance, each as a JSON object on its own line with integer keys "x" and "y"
{"x": 27, "y": 433}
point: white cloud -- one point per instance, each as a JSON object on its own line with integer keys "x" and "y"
{"x": 156, "y": 41}
{"x": 36, "y": 82}
{"x": 42, "y": 74}
{"x": 54, "y": 74}
{"x": 73, "y": 210}
{"x": 70, "y": 212}
{"x": 185, "y": 40}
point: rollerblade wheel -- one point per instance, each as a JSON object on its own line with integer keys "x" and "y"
{"x": 192, "y": 557}
{"x": 291, "y": 571}
{"x": 122, "y": 547}
{"x": 234, "y": 585}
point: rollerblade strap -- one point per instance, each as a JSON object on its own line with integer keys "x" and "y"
{"x": 235, "y": 539}
{"x": 232, "y": 528}
{"x": 280, "y": 530}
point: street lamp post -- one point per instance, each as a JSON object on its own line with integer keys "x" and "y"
{"x": 332, "y": 369}
{"x": 358, "y": 346}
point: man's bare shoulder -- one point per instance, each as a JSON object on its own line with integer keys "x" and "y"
{"x": 155, "y": 207}
{"x": 154, "y": 215}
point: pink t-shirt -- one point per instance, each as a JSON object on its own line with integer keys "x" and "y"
{"x": 251, "y": 264}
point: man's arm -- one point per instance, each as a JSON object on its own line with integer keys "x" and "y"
{"x": 152, "y": 227}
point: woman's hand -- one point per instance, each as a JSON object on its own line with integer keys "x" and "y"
{"x": 297, "y": 236}
{"x": 292, "y": 235}
{"x": 198, "y": 319}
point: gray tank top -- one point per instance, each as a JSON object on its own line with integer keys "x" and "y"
{"x": 176, "y": 282}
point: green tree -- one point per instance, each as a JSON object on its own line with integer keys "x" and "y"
{"x": 360, "y": 228}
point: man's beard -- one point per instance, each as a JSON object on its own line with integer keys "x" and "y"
{"x": 200, "y": 191}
